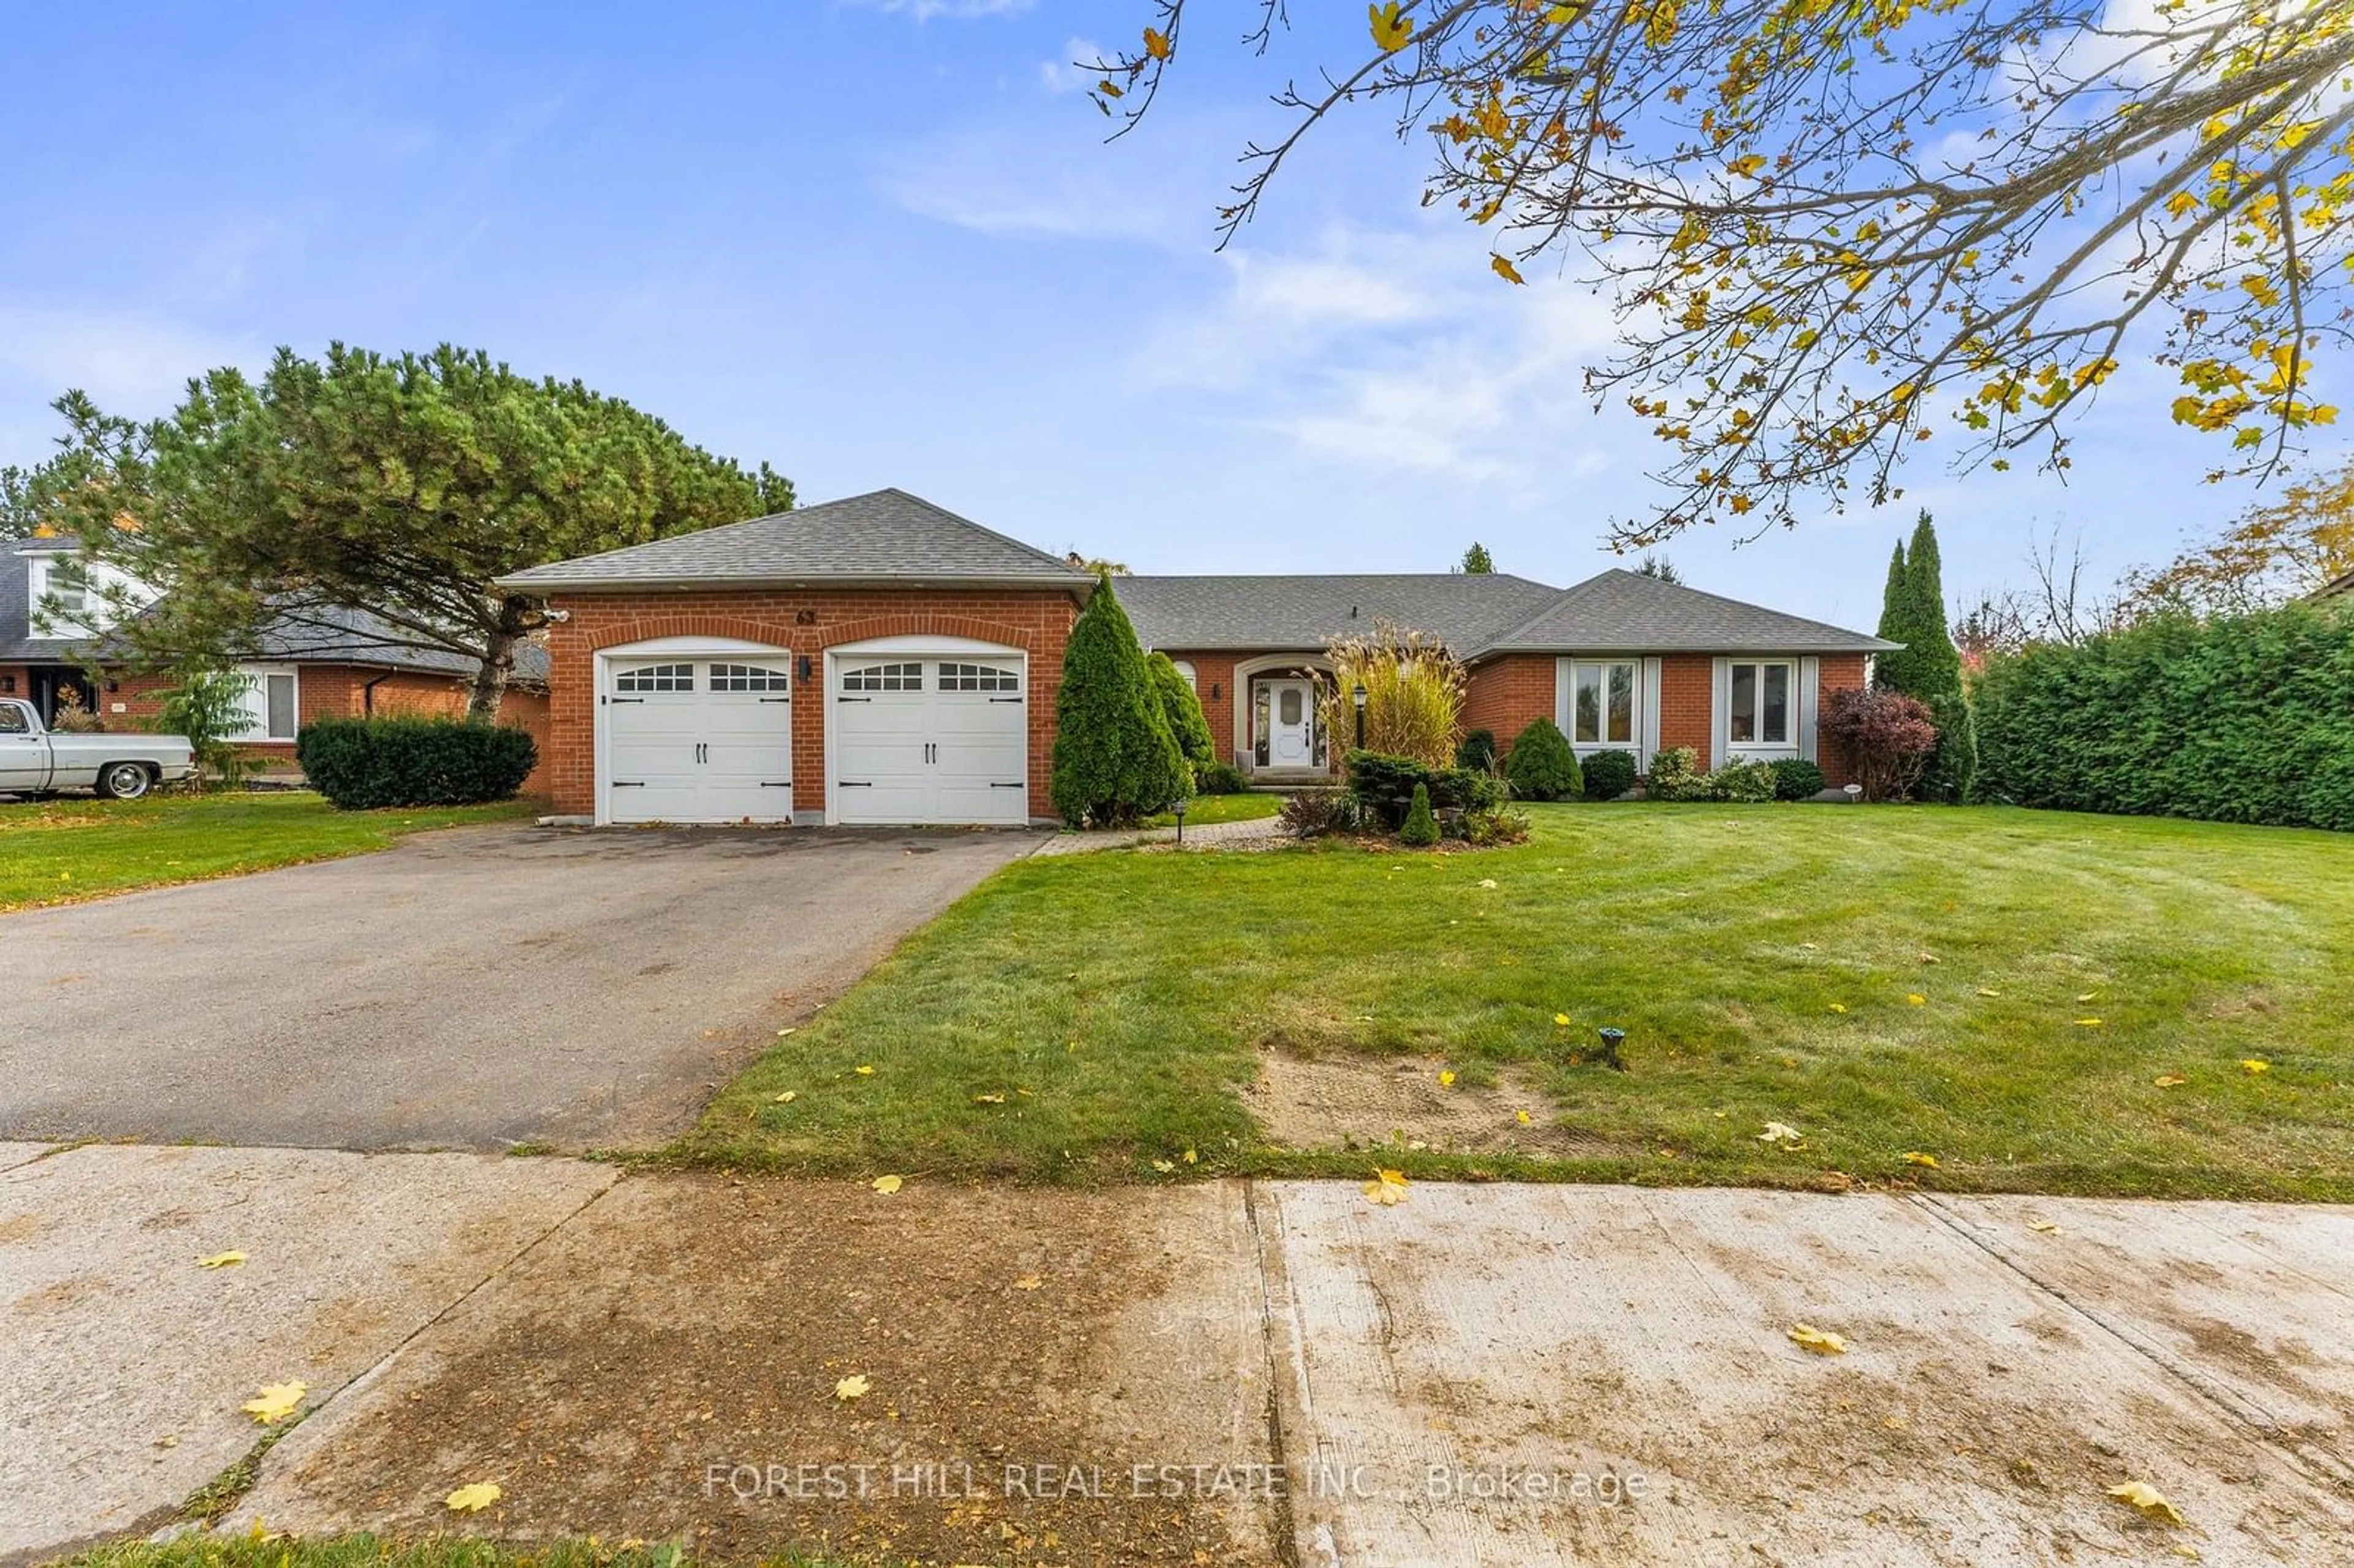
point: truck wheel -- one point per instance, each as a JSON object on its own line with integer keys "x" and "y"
{"x": 125, "y": 780}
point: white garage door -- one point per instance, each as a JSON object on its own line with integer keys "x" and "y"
{"x": 919, "y": 739}
{"x": 699, "y": 740}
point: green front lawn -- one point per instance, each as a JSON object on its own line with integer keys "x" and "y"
{"x": 1998, "y": 990}
{"x": 1203, "y": 809}
{"x": 58, "y": 852}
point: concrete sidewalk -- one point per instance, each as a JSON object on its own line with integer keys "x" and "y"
{"x": 1226, "y": 1373}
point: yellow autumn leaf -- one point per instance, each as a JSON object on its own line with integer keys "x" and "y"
{"x": 1487, "y": 882}
{"x": 988, "y": 1099}
{"x": 1190, "y": 1157}
{"x": 1156, "y": 44}
{"x": 1560, "y": 1020}
{"x": 276, "y": 1402}
{"x": 1915, "y": 1156}
{"x": 2169, "y": 1080}
{"x": 782, "y": 1033}
{"x": 1447, "y": 1079}
{"x": 851, "y": 1387}
{"x": 1916, "y": 998}
{"x": 1781, "y": 1132}
{"x": 2046, "y": 1226}
{"x": 1988, "y": 991}
{"x": 2256, "y": 1065}
{"x": 1747, "y": 164}
{"x": 1822, "y": 1342}
{"x": 1391, "y": 30}
{"x": 221, "y": 1260}
{"x": 1028, "y": 1282}
{"x": 887, "y": 1185}
{"x": 472, "y": 1498}
{"x": 1387, "y": 1188}
{"x": 1839, "y": 1007}
{"x": 788, "y": 1097}
{"x": 1505, "y": 270}
{"x": 2088, "y": 1024}
{"x": 1929, "y": 958}
{"x": 1522, "y": 1116}
{"x": 864, "y": 1072}
{"x": 2089, "y": 996}
{"x": 2146, "y": 1498}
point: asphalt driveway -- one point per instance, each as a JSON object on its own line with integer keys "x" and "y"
{"x": 475, "y": 988}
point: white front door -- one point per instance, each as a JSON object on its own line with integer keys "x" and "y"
{"x": 921, "y": 740}
{"x": 698, "y": 740}
{"x": 1291, "y": 723}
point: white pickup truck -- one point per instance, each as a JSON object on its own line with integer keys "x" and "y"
{"x": 36, "y": 761}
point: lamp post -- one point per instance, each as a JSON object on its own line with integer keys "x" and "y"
{"x": 1358, "y": 697}
{"x": 1179, "y": 809}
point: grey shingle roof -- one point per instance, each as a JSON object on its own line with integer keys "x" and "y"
{"x": 885, "y": 536}
{"x": 2337, "y": 588}
{"x": 1623, "y": 611}
{"x": 1463, "y": 609}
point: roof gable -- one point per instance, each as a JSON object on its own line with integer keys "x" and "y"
{"x": 883, "y": 536}
{"x": 1619, "y": 610}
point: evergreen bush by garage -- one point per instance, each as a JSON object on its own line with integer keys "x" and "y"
{"x": 1541, "y": 766}
{"x": 368, "y": 764}
{"x": 1608, "y": 774}
{"x": 1115, "y": 760}
{"x": 1183, "y": 711}
{"x": 2241, "y": 719}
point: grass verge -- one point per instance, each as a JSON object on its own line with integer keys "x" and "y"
{"x": 2036, "y": 1001}
{"x": 66, "y": 851}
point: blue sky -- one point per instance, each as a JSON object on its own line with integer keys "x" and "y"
{"x": 882, "y": 242}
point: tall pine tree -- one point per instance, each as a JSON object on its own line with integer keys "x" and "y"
{"x": 1928, "y": 666}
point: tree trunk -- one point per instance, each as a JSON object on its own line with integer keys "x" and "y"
{"x": 490, "y": 684}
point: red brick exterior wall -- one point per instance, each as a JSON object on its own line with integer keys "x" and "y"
{"x": 805, "y": 623}
{"x": 15, "y": 680}
{"x": 1688, "y": 705}
{"x": 1216, "y": 670}
{"x": 1507, "y": 693}
{"x": 1840, "y": 672}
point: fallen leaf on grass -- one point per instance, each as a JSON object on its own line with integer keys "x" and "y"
{"x": 1560, "y": 1020}
{"x": 1822, "y": 1342}
{"x": 2169, "y": 1080}
{"x": 851, "y": 1387}
{"x": 2090, "y": 996}
{"x": 1387, "y": 1188}
{"x": 1839, "y": 1007}
{"x": 887, "y": 1185}
{"x": 2256, "y": 1065}
{"x": 1446, "y": 1079}
{"x": 1190, "y": 1157}
{"x": 1915, "y": 1156}
{"x": 2088, "y": 1024}
{"x": 864, "y": 1072}
{"x": 2146, "y": 1498}
{"x": 1781, "y": 1132}
{"x": 1487, "y": 882}
{"x": 1988, "y": 991}
{"x": 221, "y": 1260}
{"x": 1929, "y": 958}
{"x": 472, "y": 1499}
{"x": 1522, "y": 1116}
{"x": 276, "y": 1402}
{"x": 988, "y": 1099}
{"x": 788, "y": 1097}
{"x": 1165, "y": 1166}
{"x": 1028, "y": 1282}
{"x": 2046, "y": 1226}
{"x": 782, "y": 1032}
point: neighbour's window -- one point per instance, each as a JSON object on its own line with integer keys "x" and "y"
{"x": 656, "y": 678}
{"x": 1185, "y": 670}
{"x": 1760, "y": 709}
{"x": 270, "y": 705}
{"x": 978, "y": 678}
{"x": 747, "y": 678}
{"x": 1604, "y": 711}
{"x": 884, "y": 678}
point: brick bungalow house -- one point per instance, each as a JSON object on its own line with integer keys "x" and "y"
{"x": 338, "y": 664}
{"x": 881, "y": 659}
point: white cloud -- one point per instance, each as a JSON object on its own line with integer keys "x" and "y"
{"x": 1066, "y": 73}
{"x": 1004, "y": 183}
{"x": 955, "y": 10}
{"x": 130, "y": 363}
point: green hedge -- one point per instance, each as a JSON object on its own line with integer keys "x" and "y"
{"x": 362, "y": 764}
{"x": 2246, "y": 719}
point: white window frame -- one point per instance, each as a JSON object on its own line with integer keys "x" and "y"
{"x": 257, "y": 703}
{"x": 1186, "y": 668}
{"x": 1789, "y": 741}
{"x": 1605, "y": 741}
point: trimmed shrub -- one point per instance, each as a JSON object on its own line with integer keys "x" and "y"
{"x": 1478, "y": 750}
{"x": 1886, "y": 736}
{"x": 1115, "y": 760}
{"x": 1420, "y": 829}
{"x": 1312, "y": 812}
{"x": 1675, "y": 775}
{"x": 1541, "y": 766}
{"x": 1183, "y": 711}
{"x": 1381, "y": 785}
{"x": 1502, "y": 825}
{"x": 1219, "y": 779}
{"x": 1608, "y": 774}
{"x": 1744, "y": 783}
{"x": 1795, "y": 779}
{"x": 2239, "y": 719}
{"x": 368, "y": 764}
